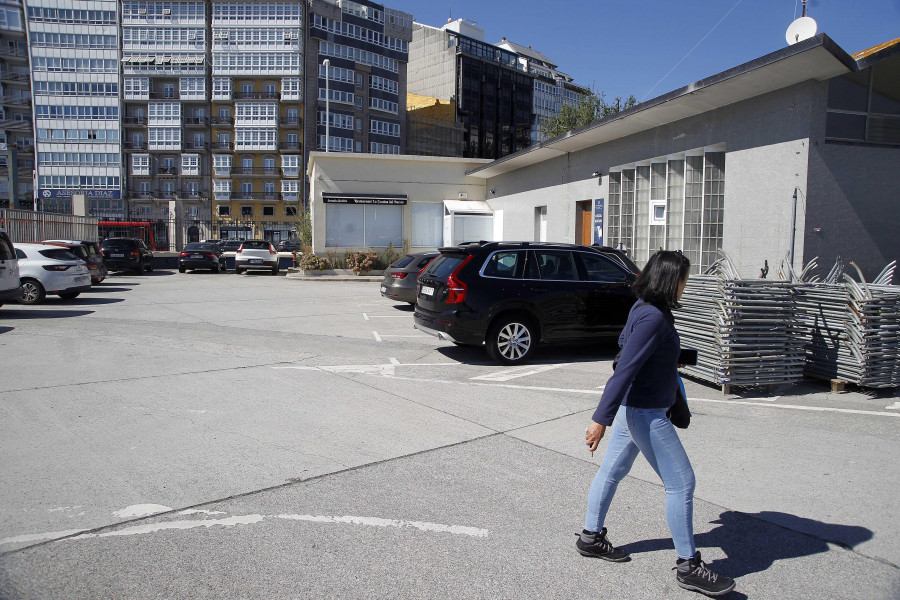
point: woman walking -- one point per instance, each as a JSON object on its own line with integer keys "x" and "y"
{"x": 635, "y": 402}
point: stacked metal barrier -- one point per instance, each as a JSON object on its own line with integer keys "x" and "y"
{"x": 851, "y": 330}
{"x": 744, "y": 329}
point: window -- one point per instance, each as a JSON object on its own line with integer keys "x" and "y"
{"x": 268, "y": 211}
{"x": 504, "y": 264}
{"x": 556, "y": 265}
{"x": 353, "y": 225}
{"x": 427, "y": 225}
{"x": 540, "y": 223}
{"x": 359, "y": 80}
{"x": 865, "y": 106}
{"x": 246, "y": 211}
{"x": 290, "y": 211}
{"x": 269, "y": 189}
{"x": 247, "y": 164}
{"x": 599, "y": 268}
{"x": 384, "y": 128}
{"x": 358, "y": 102}
{"x": 224, "y": 210}
{"x": 246, "y": 188}
{"x": 168, "y": 90}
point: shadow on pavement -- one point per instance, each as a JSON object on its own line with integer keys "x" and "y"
{"x": 81, "y": 300}
{"x": 405, "y": 307}
{"x": 545, "y": 354}
{"x": 43, "y": 314}
{"x": 752, "y": 542}
{"x": 6, "y": 329}
{"x": 95, "y": 289}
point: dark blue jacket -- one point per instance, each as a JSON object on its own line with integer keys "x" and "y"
{"x": 646, "y": 376}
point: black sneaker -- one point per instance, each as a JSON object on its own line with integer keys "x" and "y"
{"x": 693, "y": 575}
{"x": 592, "y": 543}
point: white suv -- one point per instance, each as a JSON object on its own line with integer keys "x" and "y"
{"x": 9, "y": 270}
{"x": 256, "y": 254}
{"x": 46, "y": 269}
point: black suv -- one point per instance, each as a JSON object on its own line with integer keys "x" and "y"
{"x": 511, "y": 295}
{"x": 121, "y": 254}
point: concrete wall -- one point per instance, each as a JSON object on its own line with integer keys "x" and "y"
{"x": 422, "y": 179}
{"x": 766, "y": 144}
{"x": 431, "y": 70}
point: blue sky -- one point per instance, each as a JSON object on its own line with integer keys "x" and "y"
{"x": 627, "y": 47}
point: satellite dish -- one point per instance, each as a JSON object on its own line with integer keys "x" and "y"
{"x": 801, "y": 29}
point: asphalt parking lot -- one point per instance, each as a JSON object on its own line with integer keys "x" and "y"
{"x": 219, "y": 436}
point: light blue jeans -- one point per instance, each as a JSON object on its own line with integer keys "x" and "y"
{"x": 648, "y": 431}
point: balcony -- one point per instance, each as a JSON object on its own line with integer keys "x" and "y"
{"x": 13, "y": 53}
{"x": 290, "y": 171}
{"x": 135, "y": 145}
{"x": 290, "y": 146}
{"x": 15, "y": 101}
{"x": 272, "y": 171}
{"x": 164, "y": 96}
{"x": 255, "y": 146}
{"x": 7, "y": 76}
{"x": 139, "y": 95}
{"x": 195, "y": 121}
{"x": 16, "y": 124}
{"x": 190, "y": 171}
{"x": 289, "y": 120}
{"x": 140, "y": 171}
{"x": 194, "y": 195}
{"x": 256, "y": 95}
{"x": 221, "y": 195}
{"x": 196, "y": 146}
{"x": 271, "y": 196}
{"x": 222, "y": 120}
{"x": 164, "y": 146}
{"x": 135, "y": 121}
{"x": 166, "y": 171}
{"x": 220, "y": 145}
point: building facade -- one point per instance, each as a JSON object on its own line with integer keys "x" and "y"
{"x": 16, "y": 128}
{"x": 357, "y": 61}
{"x": 492, "y": 89}
{"x": 74, "y": 56}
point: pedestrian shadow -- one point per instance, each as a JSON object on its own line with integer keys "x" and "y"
{"x": 6, "y": 329}
{"x": 747, "y": 540}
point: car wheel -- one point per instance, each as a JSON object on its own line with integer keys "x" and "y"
{"x": 69, "y": 295}
{"x": 32, "y": 292}
{"x": 140, "y": 268}
{"x": 511, "y": 340}
{"x": 222, "y": 268}
{"x": 238, "y": 271}
{"x": 275, "y": 270}
{"x": 181, "y": 269}
{"x": 150, "y": 266}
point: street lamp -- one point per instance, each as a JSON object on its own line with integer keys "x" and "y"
{"x": 327, "y": 65}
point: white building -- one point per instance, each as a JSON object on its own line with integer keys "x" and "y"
{"x": 75, "y": 69}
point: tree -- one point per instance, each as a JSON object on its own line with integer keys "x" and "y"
{"x": 589, "y": 108}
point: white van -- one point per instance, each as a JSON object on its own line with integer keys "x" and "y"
{"x": 10, "y": 288}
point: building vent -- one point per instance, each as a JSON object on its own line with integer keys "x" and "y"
{"x": 463, "y": 196}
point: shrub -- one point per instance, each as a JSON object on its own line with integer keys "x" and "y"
{"x": 361, "y": 262}
{"x": 310, "y": 262}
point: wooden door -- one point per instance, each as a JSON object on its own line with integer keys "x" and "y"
{"x": 584, "y": 219}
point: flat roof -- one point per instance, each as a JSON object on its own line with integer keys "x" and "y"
{"x": 816, "y": 58}
{"x": 319, "y": 154}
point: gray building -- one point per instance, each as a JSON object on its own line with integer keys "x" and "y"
{"x": 16, "y": 130}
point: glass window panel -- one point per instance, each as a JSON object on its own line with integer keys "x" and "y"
{"x": 468, "y": 228}
{"x": 427, "y": 225}
{"x": 845, "y": 126}
{"x": 675, "y": 203}
{"x": 885, "y": 130}
{"x": 345, "y": 225}
{"x": 384, "y": 226}
{"x": 886, "y": 87}
{"x": 849, "y": 92}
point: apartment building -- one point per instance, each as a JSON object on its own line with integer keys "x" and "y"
{"x": 257, "y": 117}
{"x": 553, "y": 89}
{"x": 359, "y": 50}
{"x": 74, "y": 61}
{"x": 16, "y": 131}
{"x": 165, "y": 74}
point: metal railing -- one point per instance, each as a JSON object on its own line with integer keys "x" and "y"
{"x": 29, "y": 226}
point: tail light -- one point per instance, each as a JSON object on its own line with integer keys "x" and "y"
{"x": 240, "y": 249}
{"x": 456, "y": 289}
{"x": 272, "y": 250}
{"x": 209, "y": 255}
{"x": 56, "y": 267}
{"x": 183, "y": 254}
{"x": 135, "y": 252}
{"x": 400, "y": 275}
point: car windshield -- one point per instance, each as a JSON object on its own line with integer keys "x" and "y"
{"x": 118, "y": 244}
{"x": 81, "y": 251}
{"x": 256, "y": 245}
{"x": 91, "y": 249}
{"x": 403, "y": 261}
{"x": 198, "y": 246}
{"x": 60, "y": 254}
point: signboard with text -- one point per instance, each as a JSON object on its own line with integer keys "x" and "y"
{"x": 598, "y": 221}
{"x": 68, "y": 193}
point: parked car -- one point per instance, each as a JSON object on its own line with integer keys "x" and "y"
{"x": 289, "y": 246}
{"x": 230, "y": 245}
{"x": 399, "y": 281}
{"x": 257, "y": 255}
{"x": 10, "y": 288}
{"x": 201, "y": 255}
{"x": 127, "y": 254}
{"x": 49, "y": 269}
{"x": 512, "y": 295}
{"x": 87, "y": 251}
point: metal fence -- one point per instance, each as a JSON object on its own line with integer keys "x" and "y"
{"x": 30, "y": 226}
{"x": 171, "y": 234}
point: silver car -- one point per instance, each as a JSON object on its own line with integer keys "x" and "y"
{"x": 256, "y": 254}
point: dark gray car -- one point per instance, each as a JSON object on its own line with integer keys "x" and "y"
{"x": 400, "y": 278}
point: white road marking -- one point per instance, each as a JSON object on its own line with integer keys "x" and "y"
{"x": 141, "y": 510}
{"x": 365, "y": 368}
{"x": 501, "y": 385}
{"x": 848, "y": 411}
{"x": 894, "y": 406}
{"x": 365, "y": 316}
{"x": 507, "y": 374}
{"x": 196, "y": 511}
{"x": 772, "y": 399}
{"x": 377, "y": 337}
{"x": 38, "y": 537}
{"x": 187, "y": 524}
{"x": 377, "y": 522}
{"x": 387, "y": 316}
{"x": 394, "y": 361}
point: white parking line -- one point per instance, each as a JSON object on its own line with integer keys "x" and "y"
{"x": 516, "y": 372}
{"x": 377, "y": 337}
{"x": 894, "y": 406}
{"x": 365, "y": 316}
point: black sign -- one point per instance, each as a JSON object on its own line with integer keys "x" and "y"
{"x": 390, "y": 200}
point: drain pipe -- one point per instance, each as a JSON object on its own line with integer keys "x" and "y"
{"x": 793, "y": 226}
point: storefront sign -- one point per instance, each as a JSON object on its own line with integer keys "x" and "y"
{"x": 598, "y": 221}
{"x": 388, "y": 199}
{"x": 68, "y": 193}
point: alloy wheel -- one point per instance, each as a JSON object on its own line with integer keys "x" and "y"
{"x": 514, "y": 341}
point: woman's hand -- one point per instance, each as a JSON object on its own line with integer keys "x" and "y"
{"x": 593, "y": 434}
